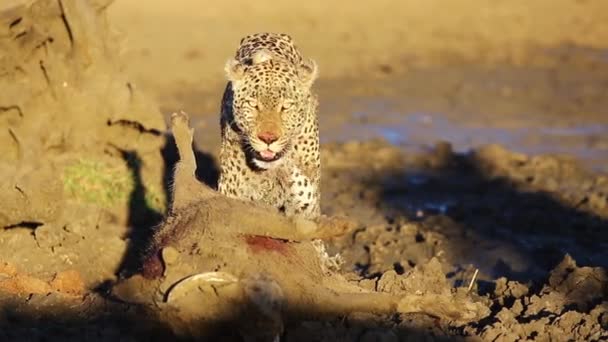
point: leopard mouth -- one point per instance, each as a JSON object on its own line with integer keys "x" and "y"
{"x": 265, "y": 155}
{"x": 268, "y": 155}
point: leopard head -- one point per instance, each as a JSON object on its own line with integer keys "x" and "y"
{"x": 270, "y": 102}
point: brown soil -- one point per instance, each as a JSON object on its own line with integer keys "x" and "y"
{"x": 509, "y": 85}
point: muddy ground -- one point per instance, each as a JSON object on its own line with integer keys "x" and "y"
{"x": 461, "y": 137}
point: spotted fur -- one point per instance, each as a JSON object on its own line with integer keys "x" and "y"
{"x": 270, "y": 134}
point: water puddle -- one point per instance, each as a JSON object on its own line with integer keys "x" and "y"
{"x": 428, "y": 128}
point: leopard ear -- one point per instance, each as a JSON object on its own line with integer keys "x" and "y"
{"x": 234, "y": 70}
{"x": 308, "y": 71}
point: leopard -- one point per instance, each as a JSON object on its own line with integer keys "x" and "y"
{"x": 269, "y": 151}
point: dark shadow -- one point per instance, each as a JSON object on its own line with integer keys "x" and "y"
{"x": 97, "y": 320}
{"x": 89, "y": 320}
{"x": 142, "y": 218}
{"x": 494, "y": 219}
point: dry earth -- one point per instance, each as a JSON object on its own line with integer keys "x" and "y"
{"x": 85, "y": 158}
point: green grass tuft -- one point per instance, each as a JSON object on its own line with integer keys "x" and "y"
{"x": 106, "y": 185}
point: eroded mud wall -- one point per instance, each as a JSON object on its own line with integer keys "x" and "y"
{"x": 68, "y": 113}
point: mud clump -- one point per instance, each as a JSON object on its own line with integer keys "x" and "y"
{"x": 572, "y": 303}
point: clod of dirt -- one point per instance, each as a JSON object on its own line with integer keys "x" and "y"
{"x": 581, "y": 286}
{"x": 572, "y": 303}
{"x": 425, "y": 278}
{"x": 509, "y": 289}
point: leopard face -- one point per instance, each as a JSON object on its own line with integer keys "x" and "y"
{"x": 271, "y": 99}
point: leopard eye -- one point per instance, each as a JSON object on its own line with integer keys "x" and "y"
{"x": 253, "y": 103}
{"x": 287, "y": 105}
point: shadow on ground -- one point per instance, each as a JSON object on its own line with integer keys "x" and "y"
{"x": 97, "y": 320}
{"x": 142, "y": 219}
{"x": 507, "y": 223}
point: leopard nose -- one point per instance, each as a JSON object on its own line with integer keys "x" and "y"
{"x": 268, "y": 137}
